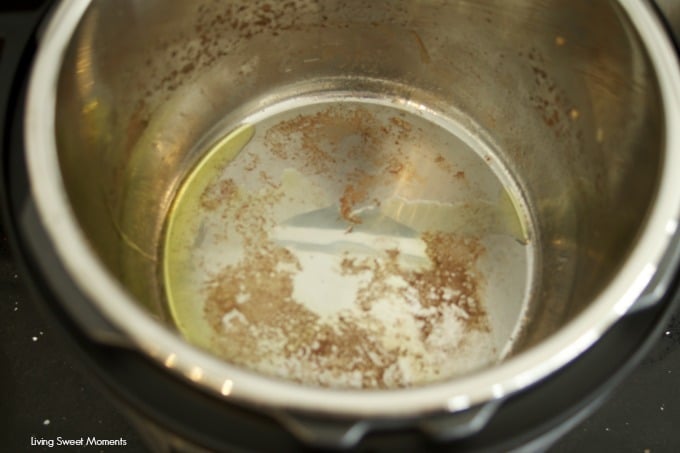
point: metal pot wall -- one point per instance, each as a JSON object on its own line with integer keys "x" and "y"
{"x": 377, "y": 210}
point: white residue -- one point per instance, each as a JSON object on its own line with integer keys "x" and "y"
{"x": 231, "y": 316}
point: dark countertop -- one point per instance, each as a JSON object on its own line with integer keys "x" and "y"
{"x": 46, "y": 393}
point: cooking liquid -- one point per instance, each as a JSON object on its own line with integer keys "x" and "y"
{"x": 350, "y": 244}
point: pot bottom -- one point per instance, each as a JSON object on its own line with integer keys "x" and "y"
{"x": 349, "y": 241}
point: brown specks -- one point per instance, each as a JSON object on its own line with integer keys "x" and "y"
{"x": 219, "y": 28}
{"x": 270, "y": 324}
{"x": 218, "y": 193}
{"x": 395, "y": 167}
{"x": 547, "y": 97}
{"x": 399, "y": 321}
{"x": 403, "y": 127}
{"x": 560, "y": 41}
{"x": 253, "y": 162}
{"x": 350, "y": 197}
{"x": 337, "y": 138}
{"x": 539, "y": 73}
{"x": 187, "y": 68}
{"x": 452, "y": 280}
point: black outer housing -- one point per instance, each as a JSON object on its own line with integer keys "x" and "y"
{"x": 172, "y": 412}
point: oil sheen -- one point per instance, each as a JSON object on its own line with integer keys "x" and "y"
{"x": 349, "y": 243}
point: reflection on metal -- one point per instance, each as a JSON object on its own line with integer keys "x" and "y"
{"x": 458, "y": 403}
{"x": 227, "y": 387}
{"x": 170, "y": 360}
{"x": 605, "y": 185}
{"x": 195, "y": 374}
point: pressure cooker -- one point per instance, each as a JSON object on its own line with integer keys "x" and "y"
{"x": 344, "y": 222}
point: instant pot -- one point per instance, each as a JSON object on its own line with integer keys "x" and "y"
{"x": 551, "y": 139}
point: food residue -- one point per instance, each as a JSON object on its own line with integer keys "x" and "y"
{"x": 303, "y": 251}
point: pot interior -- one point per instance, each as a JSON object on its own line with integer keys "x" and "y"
{"x": 360, "y": 194}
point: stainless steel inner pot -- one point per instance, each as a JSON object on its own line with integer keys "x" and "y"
{"x": 361, "y": 208}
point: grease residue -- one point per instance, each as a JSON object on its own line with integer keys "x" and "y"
{"x": 323, "y": 248}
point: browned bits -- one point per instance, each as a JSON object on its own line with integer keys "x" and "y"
{"x": 258, "y": 277}
{"x": 268, "y": 322}
{"x": 451, "y": 280}
{"x": 258, "y": 319}
{"x": 218, "y": 194}
{"x": 444, "y": 164}
{"x": 349, "y": 198}
{"x": 319, "y": 142}
{"x": 264, "y": 320}
{"x": 220, "y": 28}
{"x": 253, "y": 163}
{"x": 395, "y": 167}
{"x": 187, "y": 68}
{"x": 403, "y": 127}
{"x": 306, "y": 127}
{"x": 547, "y": 98}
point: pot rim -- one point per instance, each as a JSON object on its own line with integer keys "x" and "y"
{"x": 207, "y": 371}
